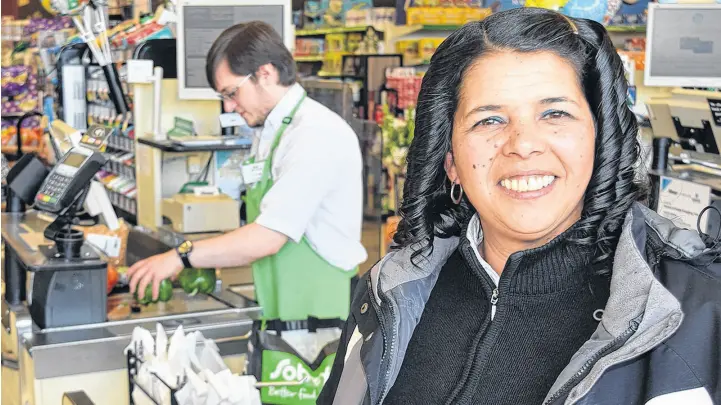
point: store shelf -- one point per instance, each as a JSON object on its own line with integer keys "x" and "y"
{"x": 128, "y": 216}
{"x": 121, "y": 143}
{"x": 324, "y": 31}
{"x": 440, "y": 27}
{"x": 329, "y": 74}
{"x": 172, "y": 146}
{"x": 392, "y": 29}
{"x": 26, "y": 149}
{"x": 125, "y": 207}
{"x": 318, "y": 58}
{"x": 626, "y": 29}
{"x": 410, "y": 62}
{"x": 10, "y": 115}
{"x": 120, "y": 169}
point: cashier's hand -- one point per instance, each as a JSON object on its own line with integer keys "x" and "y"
{"x": 154, "y": 270}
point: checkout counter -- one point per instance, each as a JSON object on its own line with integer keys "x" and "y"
{"x": 687, "y": 136}
{"x": 63, "y": 338}
{"x": 686, "y": 120}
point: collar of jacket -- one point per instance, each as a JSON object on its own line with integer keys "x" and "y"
{"x": 638, "y": 304}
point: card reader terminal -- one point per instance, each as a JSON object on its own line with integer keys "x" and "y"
{"x": 70, "y": 176}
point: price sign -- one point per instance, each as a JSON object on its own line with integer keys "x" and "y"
{"x": 681, "y": 201}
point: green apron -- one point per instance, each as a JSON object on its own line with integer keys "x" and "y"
{"x": 295, "y": 283}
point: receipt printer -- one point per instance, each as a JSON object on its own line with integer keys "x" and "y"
{"x": 193, "y": 213}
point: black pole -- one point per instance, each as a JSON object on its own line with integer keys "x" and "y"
{"x": 115, "y": 89}
{"x": 14, "y": 202}
{"x": 15, "y": 276}
{"x": 661, "y": 147}
{"x": 659, "y": 164}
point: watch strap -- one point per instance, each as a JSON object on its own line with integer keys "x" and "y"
{"x": 184, "y": 256}
{"x": 185, "y": 260}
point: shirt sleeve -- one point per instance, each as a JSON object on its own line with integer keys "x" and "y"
{"x": 307, "y": 170}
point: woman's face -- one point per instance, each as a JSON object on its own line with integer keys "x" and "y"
{"x": 523, "y": 144}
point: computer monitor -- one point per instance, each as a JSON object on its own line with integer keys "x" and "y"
{"x": 683, "y": 45}
{"x": 200, "y": 22}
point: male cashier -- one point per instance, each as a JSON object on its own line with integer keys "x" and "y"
{"x": 303, "y": 184}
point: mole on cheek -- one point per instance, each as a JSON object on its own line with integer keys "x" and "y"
{"x": 474, "y": 166}
{"x": 483, "y": 166}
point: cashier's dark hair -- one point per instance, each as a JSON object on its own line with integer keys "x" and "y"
{"x": 427, "y": 211}
{"x": 247, "y": 47}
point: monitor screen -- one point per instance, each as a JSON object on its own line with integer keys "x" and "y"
{"x": 74, "y": 159}
{"x": 685, "y": 43}
{"x": 202, "y": 24}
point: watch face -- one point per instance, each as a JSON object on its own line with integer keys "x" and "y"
{"x": 185, "y": 247}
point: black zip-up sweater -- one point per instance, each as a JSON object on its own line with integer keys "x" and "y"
{"x": 544, "y": 313}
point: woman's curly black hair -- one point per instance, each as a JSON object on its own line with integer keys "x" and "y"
{"x": 427, "y": 210}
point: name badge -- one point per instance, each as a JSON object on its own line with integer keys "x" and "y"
{"x": 253, "y": 172}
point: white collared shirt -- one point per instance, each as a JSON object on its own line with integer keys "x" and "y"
{"x": 317, "y": 173}
{"x": 475, "y": 236}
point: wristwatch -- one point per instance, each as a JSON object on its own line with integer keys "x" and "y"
{"x": 184, "y": 250}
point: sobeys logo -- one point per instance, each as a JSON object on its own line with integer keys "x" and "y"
{"x": 299, "y": 372}
{"x": 285, "y": 367}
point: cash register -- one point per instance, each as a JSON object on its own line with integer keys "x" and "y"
{"x": 66, "y": 277}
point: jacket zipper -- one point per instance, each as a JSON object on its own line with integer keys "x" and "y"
{"x": 490, "y": 332}
{"x": 389, "y": 346}
{"x": 586, "y": 368}
{"x": 494, "y": 301}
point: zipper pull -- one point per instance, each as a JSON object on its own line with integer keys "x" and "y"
{"x": 494, "y": 300}
{"x": 494, "y": 297}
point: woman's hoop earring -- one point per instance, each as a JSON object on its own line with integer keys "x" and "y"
{"x": 453, "y": 192}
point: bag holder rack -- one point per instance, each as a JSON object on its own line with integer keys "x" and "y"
{"x": 134, "y": 360}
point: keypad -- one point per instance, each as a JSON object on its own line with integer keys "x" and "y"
{"x": 54, "y": 188}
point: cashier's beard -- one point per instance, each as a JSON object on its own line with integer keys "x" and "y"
{"x": 265, "y": 99}
{"x": 254, "y": 122}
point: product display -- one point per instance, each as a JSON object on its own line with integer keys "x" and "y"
{"x": 19, "y": 90}
{"x": 452, "y": 16}
{"x": 31, "y": 134}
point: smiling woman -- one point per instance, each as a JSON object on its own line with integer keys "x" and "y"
{"x": 525, "y": 269}
{"x": 522, "y": 148}
{"x": 544, "y": 98}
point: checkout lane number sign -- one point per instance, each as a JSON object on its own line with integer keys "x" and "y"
{"x": 681, "y": 201}
{"x": 715, "y": 106}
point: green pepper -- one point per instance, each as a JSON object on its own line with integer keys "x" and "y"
{"x": 194, "y": 281}
{"x": 166, "y": 293}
